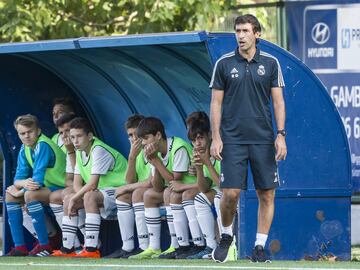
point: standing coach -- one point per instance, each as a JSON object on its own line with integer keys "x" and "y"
{"x": 242, "y": 84}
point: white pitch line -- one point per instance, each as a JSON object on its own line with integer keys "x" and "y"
{"x": 217, "y": 266}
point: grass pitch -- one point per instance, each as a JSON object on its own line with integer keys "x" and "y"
{"x": 51, "y": 263}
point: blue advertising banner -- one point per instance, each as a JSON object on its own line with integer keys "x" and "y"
{"x": 325, "y": 35}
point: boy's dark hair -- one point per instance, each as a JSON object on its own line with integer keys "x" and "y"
{"x": 248, "y": 18}
{"x": 65, "y": 101}
{"x": 27, "y": 120}
{"x": 150, "y": 125}
{"x": 197, "y": 123}
{"x": 133, "y": 121}
{"x": 81, "y": 123}
{"x": 66, "y": 118}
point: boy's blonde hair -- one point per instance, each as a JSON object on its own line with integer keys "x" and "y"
{"x": 27, "y": 120}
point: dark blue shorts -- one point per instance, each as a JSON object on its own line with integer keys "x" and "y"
{"x": 54, "y": 188}
{"x": 234, "y": 166}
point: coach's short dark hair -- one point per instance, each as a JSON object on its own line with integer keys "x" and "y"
{"x": 197, "y": 123}
{"x": 65, "y": 101}
{"x": 248, "y": 18}
{"x": 66, "y": 118}
{"x": 133, "y": 121}
{"x": 150, "y": 125}
{"x": 81, "y": 123}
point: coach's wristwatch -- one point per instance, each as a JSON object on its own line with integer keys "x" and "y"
{"x": 282, "y": 132}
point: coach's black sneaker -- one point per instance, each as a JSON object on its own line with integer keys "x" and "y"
{"x": 259, "y": 255}
{"x": 220, "y": 253}
{"x": 193, "y": 250}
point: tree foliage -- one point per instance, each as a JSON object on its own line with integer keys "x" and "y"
{"x": 29, "y": 20}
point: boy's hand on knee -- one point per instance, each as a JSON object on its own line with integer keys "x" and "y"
{"x": 176, "y": 186}
{"x": 15, "y": 192}
{"x": 30, "y": 184}
{"x": 71, "y": 208}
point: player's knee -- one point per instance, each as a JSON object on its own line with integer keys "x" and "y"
{"x": 31, "y": 196}
{"x": 10, "y": 198}
{"x": 230, "y": 197}
{"x": 55, "y": 197}
{"x": 124, "y": 198}
{"x": 175, "y": 198}
{"x": 188, "y": 195}
{"x": 149, "y": 195}
{"x": 90, "y": 198}
{"x": 137, "y": 195}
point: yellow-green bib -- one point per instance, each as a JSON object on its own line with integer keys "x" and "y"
{"x": 113, "y": 178}
{"x": 207, "y": 174}
{"x": 54, "y": 176}
{"x": 178, "y": 143}
{"x": 56, "y": 139}
{"x": 142, "y": 167}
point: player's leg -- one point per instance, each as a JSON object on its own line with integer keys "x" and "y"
{"x": 196, "y": 233}
{"x": 152, "y": 200}
{"x": 34, "y": 203}
{"x": 206, "y": 219}
{"x": 126, "y": 219}
{"x": 15, "y": 219}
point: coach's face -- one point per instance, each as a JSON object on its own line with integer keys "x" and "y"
{"x": 245, "y": 36}
{"x": 201, "y": 142}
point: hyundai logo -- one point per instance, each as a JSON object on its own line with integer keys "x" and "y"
{"x": 320, "y": 33}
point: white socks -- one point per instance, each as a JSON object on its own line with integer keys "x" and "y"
{"x": 81, "y": 221}
{"x": 142, "y": 231}
{"x": 125, "y": 214}
{"x": 218, "y": 211}
{"x": 180, "y": 224}
{"x": 206, "y": 219}
{"x": 227, "y": 230}
{"x": 58, "y": 211}
{"x": 170, "y": 222}
{"x": 69, "y": 229}
{"x": 195, "y": 230}
{"x": 261, "y": 239}
{"x": 92, "y": 227}
{"x": 153, "y": 223}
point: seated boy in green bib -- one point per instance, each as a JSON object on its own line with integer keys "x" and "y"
{"x": 40, "y": 171}
{"x": 170, "y": 160}
{"x": 99, "y": 170}
{"x": 129, "y": 198}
